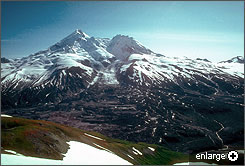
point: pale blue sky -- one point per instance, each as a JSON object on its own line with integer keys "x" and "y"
{"x": 212, "y": 30}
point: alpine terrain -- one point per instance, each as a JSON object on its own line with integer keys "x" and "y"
{"x": 121, "y": 89}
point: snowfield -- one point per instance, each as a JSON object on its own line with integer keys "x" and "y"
{"x": 160, "y": 68}
{"x": 78, "y": 154}
{"x": 232, "y": 68}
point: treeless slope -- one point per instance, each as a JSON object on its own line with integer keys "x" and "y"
{"x": 43, "y": 139}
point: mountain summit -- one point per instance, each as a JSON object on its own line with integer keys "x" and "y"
{"x": 70, "y": 40}
{"x": 237, "y": 59}
{"x": 122, "y": 46}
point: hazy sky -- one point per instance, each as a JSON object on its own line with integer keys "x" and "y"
{"x": 212, "y": 30}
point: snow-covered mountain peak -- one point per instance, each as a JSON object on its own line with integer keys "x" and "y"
{"x": 79, "y": 32}
{"x": 237, "y": 59}
{"x": 70, "y": 40}
{"x": 122, "y": 37}
{"x": 122, "y": 46}
{"x": 80, "y": 43}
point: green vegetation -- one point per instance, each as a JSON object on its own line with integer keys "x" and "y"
{"x": 45, "y": 139}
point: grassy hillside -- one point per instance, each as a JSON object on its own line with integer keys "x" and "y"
{"x": 45, "y": 139}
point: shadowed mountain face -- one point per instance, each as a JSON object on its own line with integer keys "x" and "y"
{"x": 121, "y": 89}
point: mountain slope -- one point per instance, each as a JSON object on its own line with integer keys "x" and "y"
{"x": 50, "y": 141}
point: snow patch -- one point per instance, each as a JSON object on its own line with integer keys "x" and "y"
{"x": 152, "y": 149}
{"x": 10, "y": 151}
{"x": 130, "y": 156}
{"x": 7, "y": 116}
{"x": 94, "y": 136}
{"x": 137, "y": 151}
{"x": 102, "y": 148}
